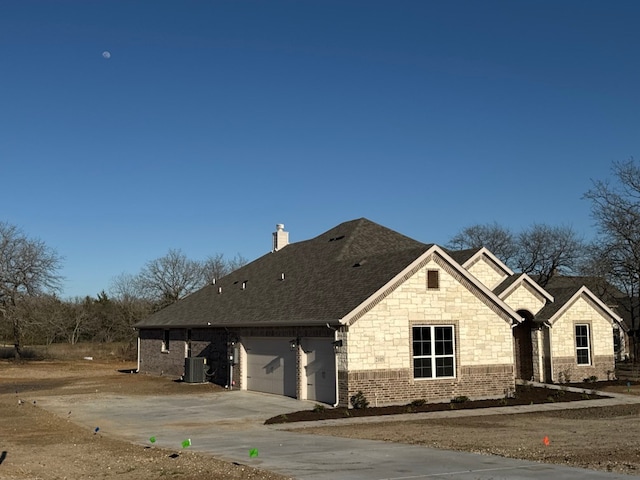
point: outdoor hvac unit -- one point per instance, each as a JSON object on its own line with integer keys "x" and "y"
{"x": 194, "y": 368}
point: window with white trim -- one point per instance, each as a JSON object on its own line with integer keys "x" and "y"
{"x": 433, "y": 351}
{"x": 583, "y": 345}
{"x": 165, "y": 340}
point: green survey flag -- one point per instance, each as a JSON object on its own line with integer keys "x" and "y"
{"x": 186, "y": 443}
{"x": 253, "y": 452}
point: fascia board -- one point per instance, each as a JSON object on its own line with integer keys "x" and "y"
{"x": 526, "y": 278}
{"x": 584, "y": 290}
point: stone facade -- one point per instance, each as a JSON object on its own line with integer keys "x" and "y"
{"x": 524, "y": 297}
{"x": 485, "y": 270}
{"x": 563, "y": 347}
{"x": 380, "y": 357}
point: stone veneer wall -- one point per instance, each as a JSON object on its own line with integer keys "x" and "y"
{"x": 380, "y": 360}
{"x": 524, "y": 297}
{"x": 563, "y": 347}
{"x": 487, "y": 272}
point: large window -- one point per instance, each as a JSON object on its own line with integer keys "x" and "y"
{"x": 433, "y": 352}
{"x": 583, "y": 347}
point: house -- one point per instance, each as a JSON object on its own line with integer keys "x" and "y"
{"x": 364, "y": 308}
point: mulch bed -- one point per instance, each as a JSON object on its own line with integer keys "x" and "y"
{"x": 524, "y": 395}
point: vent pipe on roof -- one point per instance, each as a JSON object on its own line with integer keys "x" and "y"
{"x": 244, "y": 284}
{"x": 282, "y": 276}
{"x": 280, "y": 238}
{"x": 219, "y": 289}
{"x": 213, "y": 281}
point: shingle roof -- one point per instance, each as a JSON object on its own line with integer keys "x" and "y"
{"x": 325, "y": 278}
{"x": 461, "y": 256}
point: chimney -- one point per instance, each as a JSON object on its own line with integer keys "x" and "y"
{"x": 280, "y": 238}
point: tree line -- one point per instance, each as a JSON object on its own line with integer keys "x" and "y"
{"x": 31, "y": 311}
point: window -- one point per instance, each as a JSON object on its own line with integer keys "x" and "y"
{"x": 433, "y": 279}
{"x": 583, "y": 354}
{"x": 165, "y": 341}
{"x": 433, "y": 352}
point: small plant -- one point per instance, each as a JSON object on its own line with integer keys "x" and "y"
{"x": 509, "y": 392}
{"x": 359, "y": 401}
{"x": 318, "y": 408}
{"x": 585, "y": 396}
{"x": 460, "y": 399}
{"x": 418, "y": 403}
{"x": 550, "y": 399}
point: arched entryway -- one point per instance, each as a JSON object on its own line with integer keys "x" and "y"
{"x": 523, "y": 346}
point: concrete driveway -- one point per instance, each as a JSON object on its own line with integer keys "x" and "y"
{"x": 228, "y": 425}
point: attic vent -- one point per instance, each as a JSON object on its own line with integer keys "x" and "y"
{"x": 358, "y": 264}
{"x": 236, "y": 282}
{"x": 335, "y": 239}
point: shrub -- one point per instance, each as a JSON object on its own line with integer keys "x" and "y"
{"x": 318, "y": 408}
{"x": 359, "y": 401}
{"x": 460, "y": 399}
{"x": 418, "y": 403}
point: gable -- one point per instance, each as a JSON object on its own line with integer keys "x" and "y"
{"x": 380, "y": 337}
{"x": 524, "y": 297}
{"x": 487, "y": 271}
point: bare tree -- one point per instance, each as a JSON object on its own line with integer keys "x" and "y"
{"x": 28, "y": 267}
{"x": 544, "y": 251}
{"x": 215, "y": 267}
{"x": 170, "y": 278}
{"x": 497, "y": 239}
{"x": 540, "y": 250}
{"x": 616, "y": 211}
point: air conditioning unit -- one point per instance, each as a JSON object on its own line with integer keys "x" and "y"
{"x": 194, "y": 370}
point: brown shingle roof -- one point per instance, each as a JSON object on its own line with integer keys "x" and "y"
{"x": 325, "y": 278}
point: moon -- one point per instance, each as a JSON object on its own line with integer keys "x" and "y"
{"x": 106, "y": 54}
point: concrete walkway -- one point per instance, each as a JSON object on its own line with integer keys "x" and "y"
{"x": 229, "y": 424}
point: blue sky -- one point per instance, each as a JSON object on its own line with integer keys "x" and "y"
{"x": 212, "y": 120}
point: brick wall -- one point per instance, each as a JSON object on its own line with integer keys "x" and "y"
{"x": 386, "y": 387}
{"x": 566, "y": 370}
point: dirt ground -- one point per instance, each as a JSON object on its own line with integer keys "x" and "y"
{"x": 35, "y": 444}
{"x": 605, "y": 438}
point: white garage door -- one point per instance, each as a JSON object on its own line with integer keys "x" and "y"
{"x": 271, "y": 366}
{"x": 320, "y": 369}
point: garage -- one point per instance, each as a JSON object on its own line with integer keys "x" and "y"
{"x": 271, "y": 366}
{"x": 320, "y": 369}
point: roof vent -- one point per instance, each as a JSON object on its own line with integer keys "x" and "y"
{"x": 244, "y": 284}
{"x": 335, "y": 239}
{"x": 282, "y": 276}
{"x": 280, "y": 238}
{"x": 219, "y": 290}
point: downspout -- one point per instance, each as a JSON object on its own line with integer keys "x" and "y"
{"x": 335, "y": 339}
{"x": 138, "y": 341}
